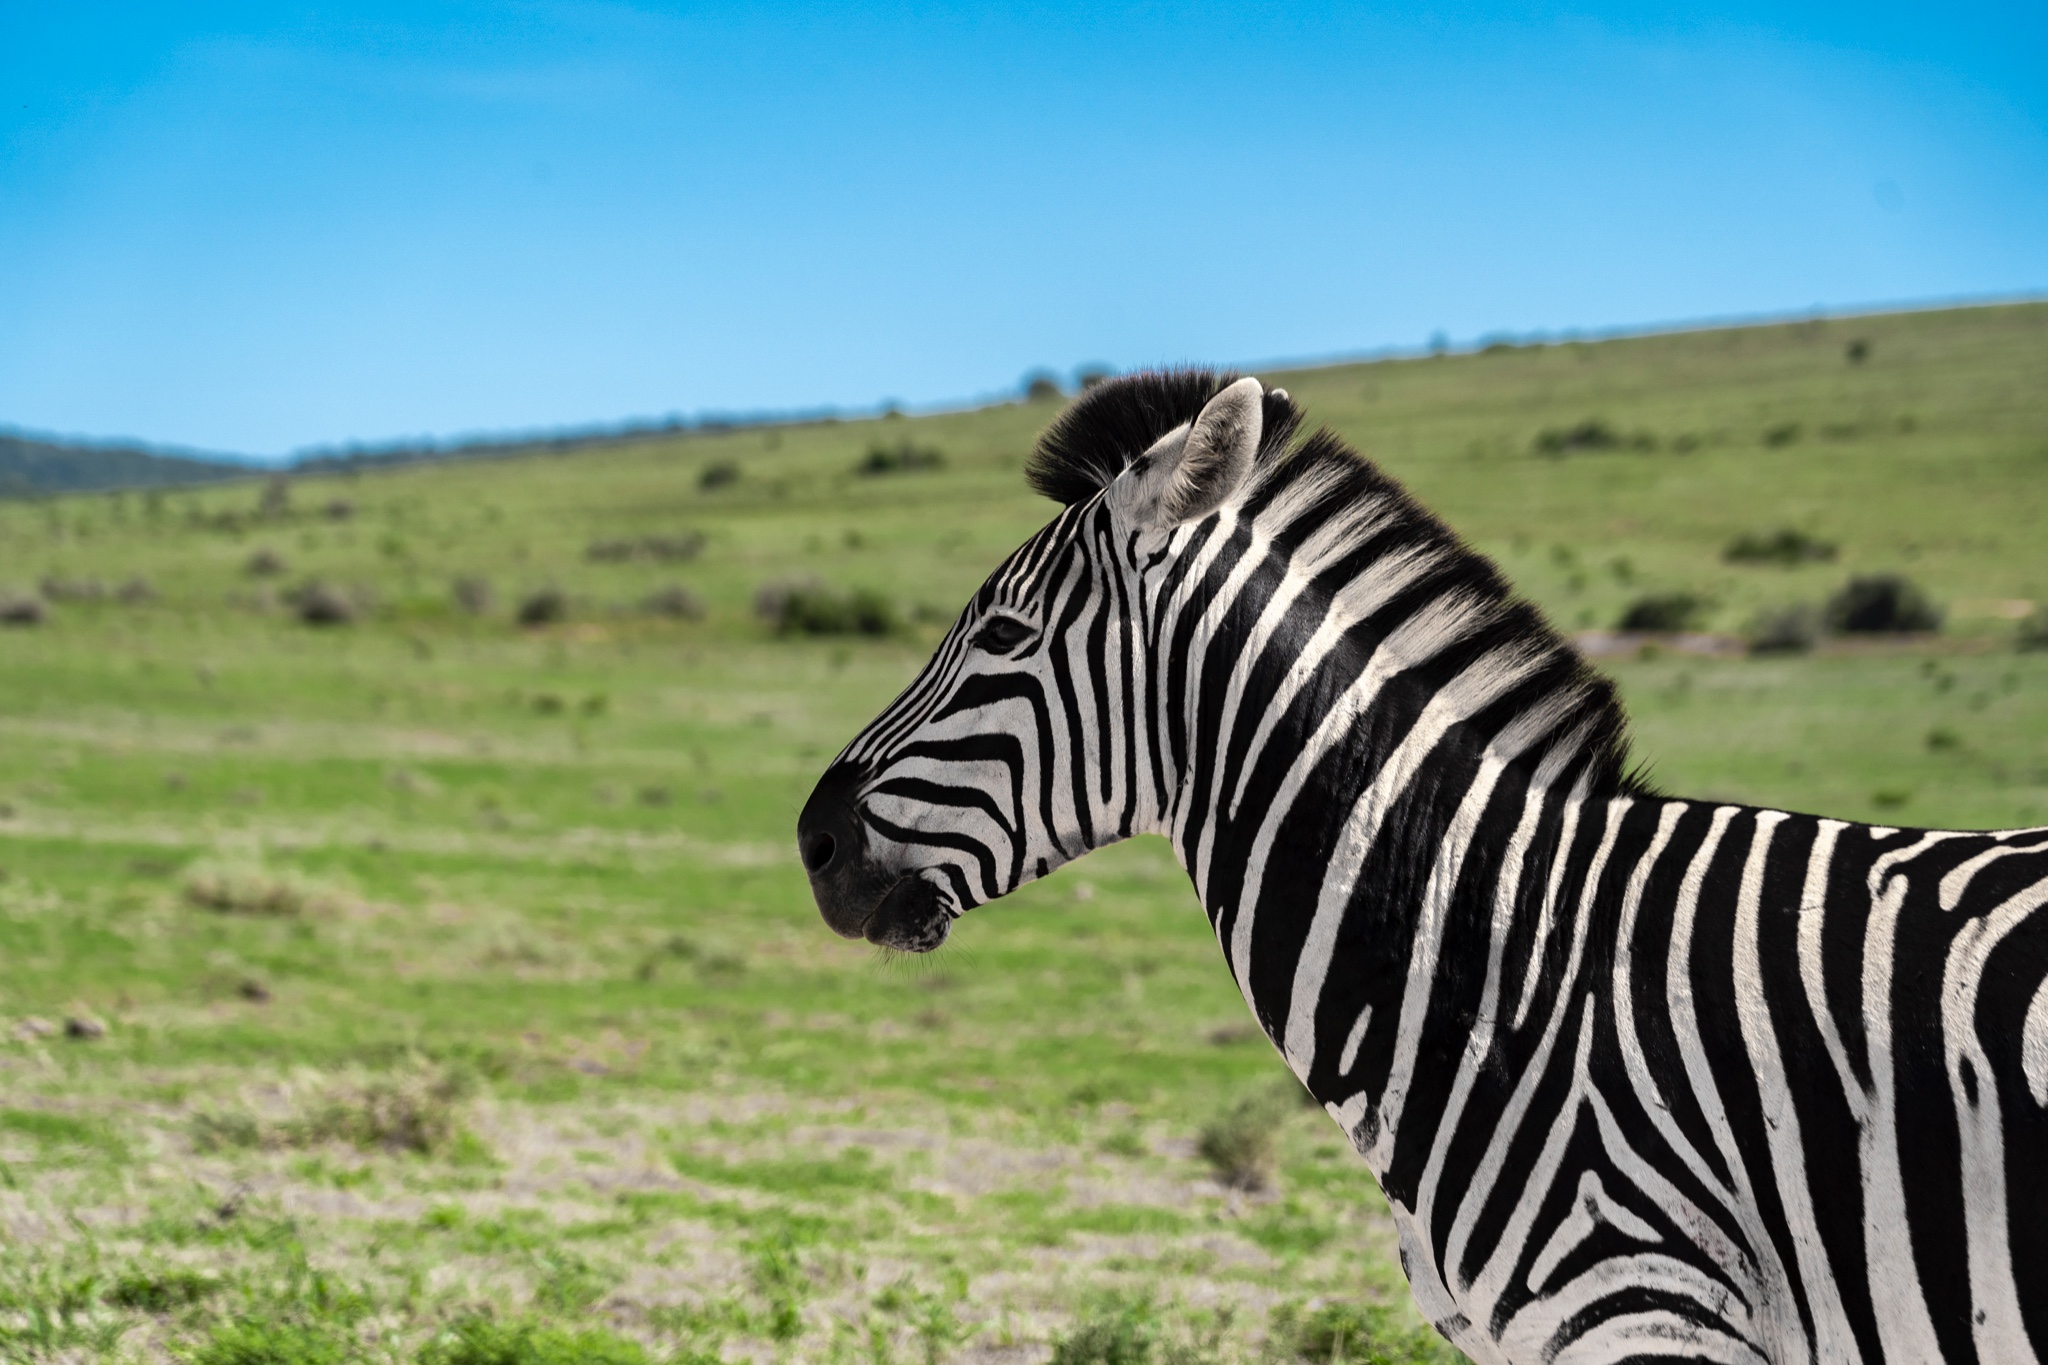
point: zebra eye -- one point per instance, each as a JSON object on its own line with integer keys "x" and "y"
{"x": 1001, "y": 634}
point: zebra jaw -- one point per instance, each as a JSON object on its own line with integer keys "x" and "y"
{"x": 857, "y": 895}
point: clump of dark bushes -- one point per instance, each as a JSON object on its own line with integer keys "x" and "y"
{"x": 473, "y": 595}
{"x": 1881, "y": 604}
{"x": 318, "y": 604}
{"x": 264, "y": 562}
{"x": 1666, "y": 611}
{"x": 904, "y": 457}
{"x": 718, "y": 474}
{"x": 1785, "y": 630}
{"x": 23, "y": 610}
{"x": 2033, "y": 632}
{"x": 1787, "y": 547}
{"x": 543, "y": 607}
{"x": 1590, "y": 436}
{"x": 673, "y": 600}
{"x": 807, "y": 607}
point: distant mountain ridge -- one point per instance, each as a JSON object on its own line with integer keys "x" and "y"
{"x": 30, "y": 466}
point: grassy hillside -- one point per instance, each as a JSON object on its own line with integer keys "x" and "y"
{"x": 457, "y": 977}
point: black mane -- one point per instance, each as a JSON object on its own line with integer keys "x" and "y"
{"x": 1095, "y": 439}
{"x": 1113, "y": 423}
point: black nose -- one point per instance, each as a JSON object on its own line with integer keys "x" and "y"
{"x": 828, "y": 839}
{"x": 817, "y": 848}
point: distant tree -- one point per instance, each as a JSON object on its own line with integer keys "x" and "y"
{"x": 1858, "y": 351}
{"x": 1088, "y": 376}
{"x": 1880, "y": 604}
{"x": 1040, "y": 386}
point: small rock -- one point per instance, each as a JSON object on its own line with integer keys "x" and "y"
{"x": 85, "y": 1028}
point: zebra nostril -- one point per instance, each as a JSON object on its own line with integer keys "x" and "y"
{"x": 817, "y": 851}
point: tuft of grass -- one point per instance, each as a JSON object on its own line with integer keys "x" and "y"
{"x": 161, "y": 1291}
{"x": 1113, "y": 1331}
{"x": 1351, "y": 1334}
{"x": 249, "y": 888}
{"x": 269, "y": 1341}
{"x": 480, "y": 1340}
{"x": 417, "y": 1112}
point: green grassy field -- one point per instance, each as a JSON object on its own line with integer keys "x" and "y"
{"x": 461, "y": 996}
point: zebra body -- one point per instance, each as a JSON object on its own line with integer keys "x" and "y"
{"x": 1640, "y": 1077}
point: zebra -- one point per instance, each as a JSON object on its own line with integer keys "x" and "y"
{"x": 1640, "y": 1077}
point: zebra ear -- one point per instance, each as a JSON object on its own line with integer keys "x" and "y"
{"x": 1193, "y": 470}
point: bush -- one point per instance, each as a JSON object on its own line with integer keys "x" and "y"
{"x": 1668, "y": 611}
{"x": 1241, "y": 1145}
{"x": 1116, "y": 1332}
{"x": 338, "y": 509}
{"x": 317, "y": 604}
{"x": 1350, "y": 1334}
{"x": 806, "y": 607}
{"x": 414, "y": 1112}
{"x": 23, "y": 611}
{"x": 1089, "y": 376}
{"x": 1590, "y": 435}
{"x": 718, "y": 474}
{"x": 902, "y": 458}
{"x": 1857, "y": 351}
{"x": 1786, "y": 547}
{"x": 543, "y": 608}
{"x": 135, "y": 592}
{"x": 1783, "y": 434}
{"x": 1881, "y": 604}
{"x": 473, "y": 595}
{"x": 1040, "y": 386}
{"x": 674, "y": 600}
{"x": 264, "y": 562}
{"x": 1784, "y": 630}
{"x": 2033, "y": 632}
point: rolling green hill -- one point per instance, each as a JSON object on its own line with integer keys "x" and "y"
{"x": 457, "y": 976}
{"x": 30, "y": 467}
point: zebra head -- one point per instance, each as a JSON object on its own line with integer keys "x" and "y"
{"x": 1025, "y": 742}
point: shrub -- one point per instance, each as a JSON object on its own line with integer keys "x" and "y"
{"x": 277, "y": 498}
{"x": 411, "y": 1112}
{"x": 24, "y": 610}
{"x": 718, "y": 474}
{"x": 1242, "y": 1144}
{"x": 1667, "y": 611}
{"x": 1089, "y": 376}
{"x": 806, "y": 607}
{"x": 1115, "y": 1332}
{"x": 338, "y": 509}
{"x": 1350, "y": 1334}
{"x": 901, "y": 458}
{"x": 544, "y": 607}
{"x": 473, "y": 595}
{"x": 1783, "y": 434}
{"x": 1879, "y": 604}
{"x": 1041, "y": 386}
{"x": 264, "y": 562}
{"x": 233, "y": 888}
{"x": 2033, "y": 631}
{"x": 317, "y": 604}
{"x": 135, "y": 592}
{"x": 1784, "y": 630}
{"x": 1589, "y": 435}
{"x": 1857, "y": 351}
{"x": 674, "y": 600}
{"x": 1787, "y": 546}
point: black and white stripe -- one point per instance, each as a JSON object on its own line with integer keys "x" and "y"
{"x": 1640, "y": 1077}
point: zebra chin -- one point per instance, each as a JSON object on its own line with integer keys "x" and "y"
{"x": 859, "y": 897}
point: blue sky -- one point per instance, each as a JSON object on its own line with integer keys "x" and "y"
{"x": 259, "y": 228}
